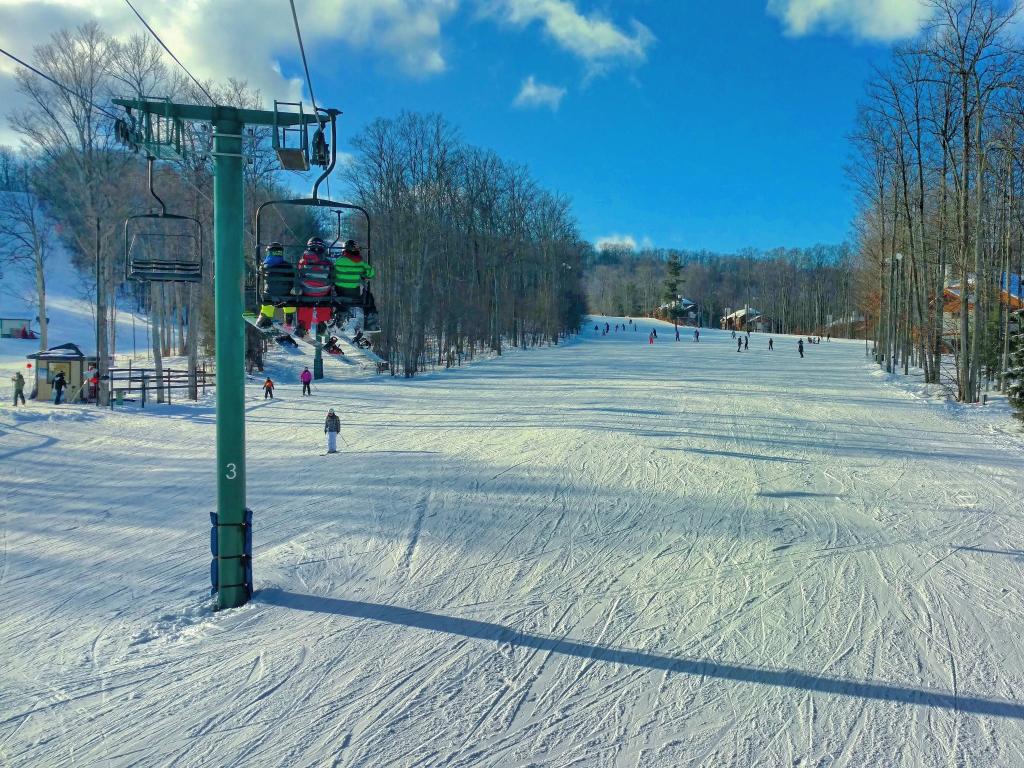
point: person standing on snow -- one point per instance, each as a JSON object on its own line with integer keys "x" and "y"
{"x": 268, "y": 389}
{"x": 696, "y": 335}
{"x": 59, "y": 382}
{"x": 650, "y": 337}
{"x": 746, "y": 343}
{"x": 739, "y": 345}
{"x": 771, "y": 344}
{"x": 677, "y": 333}
{"x": 19, "y": 388}
{"x": 800, "y": 347}
{"x": 306, "y": 377}
{"x": 332, "y": 426}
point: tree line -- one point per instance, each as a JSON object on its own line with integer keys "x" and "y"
{"x": 796, "y": 290}
{"x": 472, "y": 253}
{"x": 937, "y": 163}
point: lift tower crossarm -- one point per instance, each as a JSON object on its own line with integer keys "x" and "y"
{"x": 201, "y": 114}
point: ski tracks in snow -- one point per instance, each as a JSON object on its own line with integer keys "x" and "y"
{"x": 514, "y": 563}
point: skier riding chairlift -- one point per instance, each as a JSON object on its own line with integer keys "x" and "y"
{"x": 352, "y": 289}
{"x": 279, "y": 284}
{"x": 313, "y": 279}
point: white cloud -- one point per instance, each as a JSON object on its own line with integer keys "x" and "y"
{"x": 627, "y": 242}
{"x": 869, "y": 19}
{"x": 593, "y": 38}
{"x": 534, "y": 94}
{"x": 616, "y": 242}
{"x": 246, "y": 39}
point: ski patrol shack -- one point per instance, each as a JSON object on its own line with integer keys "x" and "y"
{"x": 64, "y": 357}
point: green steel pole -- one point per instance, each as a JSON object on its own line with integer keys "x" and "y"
{"x": 228, "y": 284}
{"x": 318, "y": 358}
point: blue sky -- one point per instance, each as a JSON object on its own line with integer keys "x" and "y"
{"x": 686, "y": 123}
{"x": 729, "y": 133}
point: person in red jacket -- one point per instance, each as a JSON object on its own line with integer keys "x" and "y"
{"x": 314, "y": 278}
{"x": 306, "y": 377}
{"x": 268, "y": 389}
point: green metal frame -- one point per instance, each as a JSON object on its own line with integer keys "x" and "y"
{"x": 229, "y": 269}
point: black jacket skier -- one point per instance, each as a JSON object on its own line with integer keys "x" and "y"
{"x": 59, "y": 382}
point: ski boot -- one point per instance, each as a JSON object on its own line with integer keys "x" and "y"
{"x": 265, "y": 322}
{"x": 361, "y": 341}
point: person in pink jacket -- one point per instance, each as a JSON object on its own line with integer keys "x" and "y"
{"x": 306, "y": 377}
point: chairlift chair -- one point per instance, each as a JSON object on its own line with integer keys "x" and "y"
{"x": 295, "y": 157}
{"x": 163, "y": 247}
{"x": 295, "y": 298}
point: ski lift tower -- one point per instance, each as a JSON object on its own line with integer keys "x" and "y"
{"x": 158, "y": 132}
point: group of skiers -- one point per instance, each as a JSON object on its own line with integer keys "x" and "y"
{"x": 608, "y": 328}
{"x": 321, "y": 287}
{"x": 305, "y": 378}
{"x": 742, "y": 340}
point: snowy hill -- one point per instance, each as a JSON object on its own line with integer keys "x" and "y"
{"x": 608, "y": 554}
{"x": 71, "y": 310}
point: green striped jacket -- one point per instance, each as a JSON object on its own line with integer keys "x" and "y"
{"x": 349, "y": 271}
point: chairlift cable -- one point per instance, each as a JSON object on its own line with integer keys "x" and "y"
{"x": 171, "y": 53}
{"x": 302, "y": 50}
{"x": 59, "y": 84}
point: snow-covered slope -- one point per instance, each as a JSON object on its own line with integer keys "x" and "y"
{"x": 609, "y": 554}
{"x": 71, "y": 310}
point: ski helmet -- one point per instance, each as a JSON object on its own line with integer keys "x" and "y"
{"x": 351, "y": 245}
{"x": 316, "y": 245}
{"x": 276, "y": 249}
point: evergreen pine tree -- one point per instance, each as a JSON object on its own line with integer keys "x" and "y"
{"x": 673, "y": 278}
{"x": 1015, "y": 370}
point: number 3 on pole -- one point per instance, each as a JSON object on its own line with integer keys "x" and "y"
{"x": 232, "y": 472}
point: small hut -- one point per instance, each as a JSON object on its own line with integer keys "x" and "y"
{"x": 64, "y": 357}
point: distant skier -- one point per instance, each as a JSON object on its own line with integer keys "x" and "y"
{"x": 59, "y": 382}
{"x": 650, "y": 337}
{"x": 677, "y": 333}
{"x": 746, "y": 344}
{"x": 268, "y": 389}
{"x": 734, "y": 333}
{"x": 800, "y": 347}
{"x": 739, "y": 345}
{"x": 332, "y": 426}
{"x": 696, "y": 335}
{"x": 828, "y": 337}
{"x": 771, "y": 344}
{"x": 655, "y": 332}
{"x": 607, "y": 327}
{"x": 19, "y": 388}
{"x": 306, "y": 377}
{"x": 90, "y": 382}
